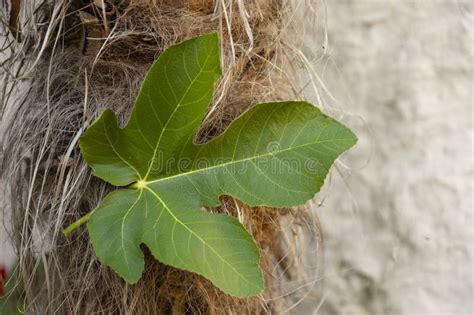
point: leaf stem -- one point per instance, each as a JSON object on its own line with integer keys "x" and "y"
{"x": 67, "y": 231}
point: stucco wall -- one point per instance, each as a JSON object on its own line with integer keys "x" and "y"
{"x": 399, "y": 237}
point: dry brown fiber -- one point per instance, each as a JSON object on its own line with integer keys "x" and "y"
{"x": 83, "y": 56}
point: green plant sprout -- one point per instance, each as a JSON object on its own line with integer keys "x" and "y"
{"x": 275, "y": 154}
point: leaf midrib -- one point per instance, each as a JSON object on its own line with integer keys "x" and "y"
{"x": 123, "y": 226}
{"x": 178, "y": 105}
{"x": 112, "y": 145}
{"x": 238, "y": 161}
{"x": 197, "y": 236}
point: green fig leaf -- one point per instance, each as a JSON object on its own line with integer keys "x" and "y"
{"x": 275, "y": 154}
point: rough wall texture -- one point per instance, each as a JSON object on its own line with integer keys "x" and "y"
{"x": 404, "y": 243}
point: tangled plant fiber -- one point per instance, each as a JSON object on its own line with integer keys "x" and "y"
{"x": 72, "y": 59}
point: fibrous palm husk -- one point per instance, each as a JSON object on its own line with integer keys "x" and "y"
{"x": 72, "y": 59}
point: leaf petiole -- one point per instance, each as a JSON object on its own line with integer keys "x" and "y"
{"x": 76, "y": 224}
{"x": 73, "y": 226}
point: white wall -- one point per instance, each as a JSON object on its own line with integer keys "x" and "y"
{"x": 406, "y": 68}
